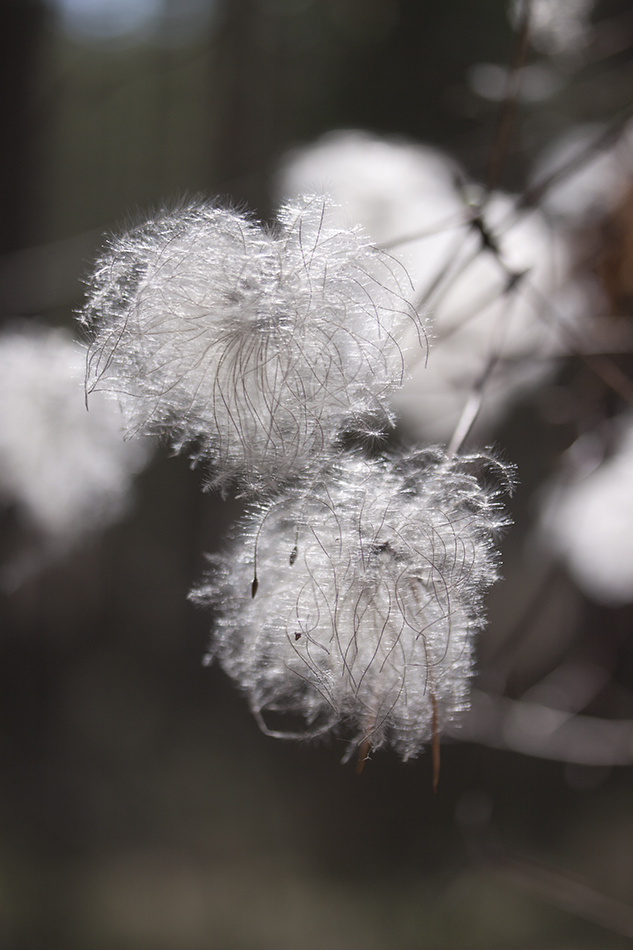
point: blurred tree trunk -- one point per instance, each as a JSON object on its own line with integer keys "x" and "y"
{"x": 245, "y": 83}
{"x": 21, "y": 26}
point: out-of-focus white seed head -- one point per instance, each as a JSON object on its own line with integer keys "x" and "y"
{"x": 588, "y": 521}
{"x": 65, "y": 471}
{"x": 350, "y": 604}
{"x": 252, "y": 347}
{"x": 495, "y": 310}
{"x": 499, "y": 317}
{"x": 380, "y": 183}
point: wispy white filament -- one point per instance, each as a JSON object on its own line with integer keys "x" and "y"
{"x": 254, "y": 348}
{"x": 351, "y": 602}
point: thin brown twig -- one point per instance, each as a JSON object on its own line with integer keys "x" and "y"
{"x": 435, "y": 745}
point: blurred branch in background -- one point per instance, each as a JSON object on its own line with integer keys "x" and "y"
{"x": 552, "y": 733}
{"x": 552, "y": 887}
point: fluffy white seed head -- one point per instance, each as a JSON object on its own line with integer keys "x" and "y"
{"x": 493, "y": 311}
{"x": 252, "y": 347}
{"x": 349, "y": 605}
{"x": 64, "y": 470}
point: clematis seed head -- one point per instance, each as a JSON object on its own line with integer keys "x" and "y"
{"x": 251, "y": 348}
{"x": 369, "y": 596}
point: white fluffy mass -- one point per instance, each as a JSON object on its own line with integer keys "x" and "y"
{"x": 382, "y": 183}
{"x": 253, "y": 347}
{"x": 589, "y": 524}
{"x": 63, "y": 469}
{"x": 495, "y": 283}
{"x": 349, "y": 604}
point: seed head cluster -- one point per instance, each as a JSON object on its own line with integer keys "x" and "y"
{"x": 253, "y": 348}
{"x": 368, "y": 582}
{"x": 351, "y": 594}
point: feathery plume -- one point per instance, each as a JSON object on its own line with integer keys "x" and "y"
{"x": 350, "y": 603}
{"x": 254, "y": 348}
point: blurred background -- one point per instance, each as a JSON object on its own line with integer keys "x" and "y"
{"x": 140, "y": 806}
